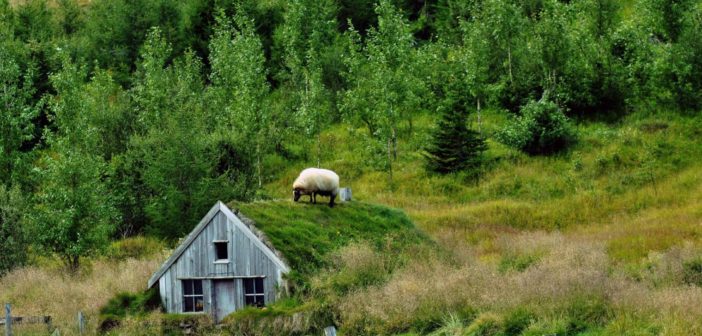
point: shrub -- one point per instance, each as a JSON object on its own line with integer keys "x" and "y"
{"x": 692, "y": 272}
{"x": 124, "y": 304}
{"x": 284, "y": 317}
{"x": 541, "y": 129}
{"x": 588, "y": 313}
{"x": 486, "y": 324}
{"x": 517, "y": 321}
{"x": 518, "y": 263}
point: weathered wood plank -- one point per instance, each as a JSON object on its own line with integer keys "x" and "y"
{"x": 248, "y": 257}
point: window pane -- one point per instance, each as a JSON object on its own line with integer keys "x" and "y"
{"x": 259, "y": 285}
{"x": 187, "y": 287}
{"x": 221, "y": 250}
{"x": 259, "y": 300}
{"x": 188, "y": 304}
{"x": 199, "y": 304}
{"x": 248, "y": 286}
{"x": 250, "y": 300}
{"x": 197, "y": 284}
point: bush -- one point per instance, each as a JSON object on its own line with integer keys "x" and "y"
{"x": 517, "y": 321}
{"x": 692, "y": 272}
{"x": 486, "y": 324}
{"x": 124, "y": 304}
{"x": 588, "y": 313}
{"x": 284, "y": 317}
{"x": 542, "y": 129}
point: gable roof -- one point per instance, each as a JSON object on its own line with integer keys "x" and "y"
{"x": 247, "y": 230}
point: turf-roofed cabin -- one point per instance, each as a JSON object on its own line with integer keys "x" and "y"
{"x": 223, "y": 265}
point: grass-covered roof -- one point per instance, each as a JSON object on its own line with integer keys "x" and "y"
{"x": 306, "y": 233}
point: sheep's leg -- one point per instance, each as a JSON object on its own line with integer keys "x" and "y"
{"x": 331, "y": 201}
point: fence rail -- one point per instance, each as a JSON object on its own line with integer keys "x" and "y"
{"x": 8, "y": 320}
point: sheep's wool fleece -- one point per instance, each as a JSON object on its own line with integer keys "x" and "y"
{"x": 316, "y": 179}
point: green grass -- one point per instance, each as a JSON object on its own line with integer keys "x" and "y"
{"x": 628, "y": 191}
{"x": 307, "y": 233}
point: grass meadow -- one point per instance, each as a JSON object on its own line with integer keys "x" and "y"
{"x": 605, "y": 239}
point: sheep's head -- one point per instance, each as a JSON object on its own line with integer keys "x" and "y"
{"x": 296, "y": 194}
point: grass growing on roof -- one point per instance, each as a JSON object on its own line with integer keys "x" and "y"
{"x": 307, "y": 233}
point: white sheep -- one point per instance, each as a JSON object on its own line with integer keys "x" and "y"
{"x": 315, "y": 181}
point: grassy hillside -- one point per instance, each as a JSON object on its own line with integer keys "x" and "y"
{"x": 604, "y": 239}
{"x": 607, "y": 232}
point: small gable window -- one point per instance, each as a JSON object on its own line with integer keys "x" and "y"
{"x": 253, "y": 292}
{"x": 221, "y": 250}
{"x": 193, "y": 299}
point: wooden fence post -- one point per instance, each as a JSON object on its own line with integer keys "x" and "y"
{"x": 47, "y": 320}
{"x": 81, "y": 322}
{"x": 8, "y": 320}
{"x": 330, "y": 331}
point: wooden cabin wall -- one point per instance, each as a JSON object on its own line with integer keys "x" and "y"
{"x": 245, "y": 259}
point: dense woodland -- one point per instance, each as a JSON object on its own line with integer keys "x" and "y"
{"x": 126, "y": 117}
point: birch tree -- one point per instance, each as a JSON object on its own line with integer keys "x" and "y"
{"x": 239, "y": 83}
{"x": 384, "y": 90}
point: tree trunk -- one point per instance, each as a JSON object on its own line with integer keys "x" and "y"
{"x": 509, "y": 64}
{"x": 73, "y": 264}
{"x": 394, "y": 144}
{"x": 369, "y": 124}
{"x": 479, "y": 121}
{"x": 319, "y": 149}
{"x": 258, "y": 165}
{"x": 389, "y": 148}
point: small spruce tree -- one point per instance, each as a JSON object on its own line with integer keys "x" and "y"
{"x": 454, "y": 146}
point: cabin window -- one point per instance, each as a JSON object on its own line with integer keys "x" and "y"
{"x": 253, "y": 292}
{"x": 193, "y": 299}
{"x": 221, "y": 250}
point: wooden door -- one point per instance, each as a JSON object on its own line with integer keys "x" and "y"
{"x": 225, "y": 300}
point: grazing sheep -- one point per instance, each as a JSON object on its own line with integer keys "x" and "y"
{"x": 315, "y": 181}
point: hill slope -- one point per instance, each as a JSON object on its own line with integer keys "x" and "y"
{"x": 572, "y": 242}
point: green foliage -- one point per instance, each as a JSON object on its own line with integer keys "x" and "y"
{"x": 73, "y": 215}
{"x": 485, "y": 324}
{"x": 239, "y": 85}
{"x": 384, "y": 89}
{"x": 454, "y": 146}
{"x": 517, "y": 263}
{"x": 541, "y": 129}
{"x": 182, "y": 167}
{"x": 516, "y": 321}
{"x": 13, "y": 238}
{"x": 692, "y": 272}
{"x": 17, "y": 109}
{"x": 128, "y": 304}
{"x": 587, "y": 313}
{"x": 286, "y": 316}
